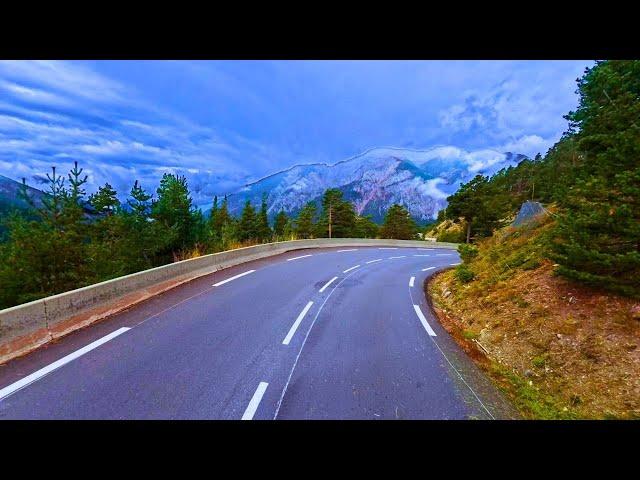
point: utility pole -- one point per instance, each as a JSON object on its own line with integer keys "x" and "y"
{"x": 330, "y": 208}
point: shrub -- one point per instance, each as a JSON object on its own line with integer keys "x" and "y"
{"x": 453, "y": 236}
{"x": 464, "y": 274}
{"x": 467, "y": 252}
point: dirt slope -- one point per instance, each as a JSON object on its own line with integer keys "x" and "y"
{"x": 559, "y": 350}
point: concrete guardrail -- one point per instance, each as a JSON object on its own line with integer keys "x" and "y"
{"x": 25, "y": 327}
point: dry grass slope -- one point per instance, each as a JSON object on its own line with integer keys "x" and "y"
{"x": 559, "y": 350}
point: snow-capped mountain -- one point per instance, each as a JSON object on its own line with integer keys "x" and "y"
{"x": 376, "y": 179}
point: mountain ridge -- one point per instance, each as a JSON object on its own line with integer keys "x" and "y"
{"x": 420, "y": 179}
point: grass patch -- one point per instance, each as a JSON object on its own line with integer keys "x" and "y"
{"x": 530, "y": 401}
{"x": 469, "y": 334}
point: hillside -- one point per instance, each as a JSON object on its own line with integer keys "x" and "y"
{"x": 557, "y": 348}
{"x": 9, "y": 195}
{"x": 376, "y": 179}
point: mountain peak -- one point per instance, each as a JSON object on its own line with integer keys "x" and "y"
{"x": 374, "y": 179}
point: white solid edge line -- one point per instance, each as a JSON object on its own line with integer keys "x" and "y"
{"x": 296, "y": 324}
{"x": 349, "y": 250}
{"x": 387, "y": 248}
{"x": 423, "y": 321}
{"x": 428, "y": 268}
{"x": 401, "y": 256}
{"x": 454, "y": 263}
{"x": 37, "y": 375}
{"x": 417, "y": 255}
{"x": 296, "y": 258}
{"x": 372, "y": 261}
{"x": 411, "y": 280}
{"x": 443, "y": 254}
{"x": 328, "y": 283}
{"x": 232, "y": 278}
{"x": 349, "y": 269}
{"x": 255, "y": 401}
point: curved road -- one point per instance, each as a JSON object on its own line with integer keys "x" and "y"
{"x": 311, "y": 334}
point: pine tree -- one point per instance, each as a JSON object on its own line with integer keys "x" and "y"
{"x": 173, "y": 209}
{"x": 105, "y": 200}
{"x": 48, "y": 254}
{"x": 338, "y": 219}
{"x": 598, "y": 230}
{"x": 280, "y": 224}
{"x": 214, "y": 234}
{"x": 305, "y": 223}
{"x": 140, "y": 201}
{"x": 366, "y": 227}
{"x": 226, "y": 225}
{"x": 398, "y": 224}
{"x": 481, "y": 205}
{"x": 263, "y": 230}
{"x": 247, "y": 225}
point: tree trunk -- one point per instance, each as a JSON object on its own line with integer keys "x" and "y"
{"x": 468, "y": 230}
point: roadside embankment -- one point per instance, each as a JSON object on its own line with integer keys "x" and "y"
{"x": 557, "y": 349}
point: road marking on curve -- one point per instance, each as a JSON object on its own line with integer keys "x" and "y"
{"x": 411, "y": 280}
{"x": 328, "y": 283}
{"x": 429, "y": 249}
{"x": 255, "y": 401}
{"x": 37, "y": 375}
{"x": 456, "y": 370}
{"x": 349, "y": 250}
{"x": 296, "y": 258}
{"x": 401, "y": 256}
{"x": 233, "y": 278}
{"x": 428, "y": 268}
{"x": 423, "y": 321}
{"x": 387, "y": 248}
{"x": 296, "y": 324}
{"x": 349, "y": 269}
{"x": 304, "y": 341}
{"x": 443, "y": 254}
{"x": 373, "y": 261}
{"x": 453, "y": 264}
{"x": 418, "y": 255}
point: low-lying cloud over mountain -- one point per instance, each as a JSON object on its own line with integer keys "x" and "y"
{"x": 376, "y": 179}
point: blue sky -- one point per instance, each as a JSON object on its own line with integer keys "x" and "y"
{"x": 223, "y": 123}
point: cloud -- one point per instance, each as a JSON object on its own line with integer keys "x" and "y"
{"x": 223, "y": 124}
{"x": 530, "y": 145}
{"x": 33, "y": 95}
{"x": 144, "y": 144}
{"x": 71, "y": 79}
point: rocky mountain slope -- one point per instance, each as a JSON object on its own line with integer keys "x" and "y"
{"x": 374, "y": 180}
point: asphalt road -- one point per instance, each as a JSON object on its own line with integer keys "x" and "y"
{"x": 303, "y": 335}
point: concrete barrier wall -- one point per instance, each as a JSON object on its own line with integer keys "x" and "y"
{"x": 26, "y": 327}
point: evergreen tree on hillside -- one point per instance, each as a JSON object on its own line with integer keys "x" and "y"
{"x": 398, "y": 224}
{"x": 248, "y": 222}
{"x": 280, "y": 224}
{"x": 481, "y": 205}
{"x": 173, "y": 210}
{"x": 598, "y": 232}
{"x": 263, "y": 231}
{"x": 214, "y": 233}
{"x": 365, "y": 227}
{"x": 46, "y": 250}
{"x": 223, "y": 218}
{"x": 305, "y": 223}
{"x": 338, "y": 218}
{"x": 105, "y": 200}
{"x": 140, "y": 201}
{"x": 226, "y": 225}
